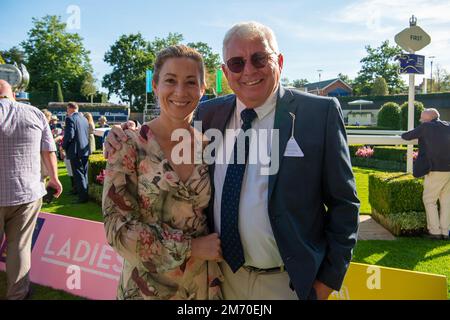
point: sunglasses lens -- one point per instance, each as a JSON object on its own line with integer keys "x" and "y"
{"x": 236, "y": 64}
{"x": 259, "y": 59}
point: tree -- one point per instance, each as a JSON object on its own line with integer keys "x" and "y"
{"x": 441, "y": 79}
{"x": 389, "y": 116}
{"x": 53, "y": 54}
{"x": 300, "y": 83}
{"x": 345, "y": 78}
{"x": 418, "y": 108}
{"x": 379, "y": 87}
{"x": 211, "y": 59}
{"x": 379, "y": 62}
{"x": 160, "y": 43}
{"x": 212, "y": 64}
{"x": 88, "y": 88}
{"x": 1, "y": 60}
{"x": 13, "y": 55}
{"x": 130, "y": 57}
{"x": 57, "y": 92}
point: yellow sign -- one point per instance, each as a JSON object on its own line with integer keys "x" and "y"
{"x": 370, "y": 282}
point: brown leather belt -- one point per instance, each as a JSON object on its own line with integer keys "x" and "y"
{"x": 269, "y": 270}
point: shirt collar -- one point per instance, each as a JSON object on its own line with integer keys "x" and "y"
{"x": 263, "y": 110}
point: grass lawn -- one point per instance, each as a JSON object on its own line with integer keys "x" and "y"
{"x": 362, "y": 188}
{"x": 415, "y": 254}
{"x": 63, "y": 205}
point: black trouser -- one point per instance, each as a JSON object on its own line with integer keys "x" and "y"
{"x": 80, "y": 175}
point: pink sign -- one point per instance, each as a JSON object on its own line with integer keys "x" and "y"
{"x": 73, "y": 255}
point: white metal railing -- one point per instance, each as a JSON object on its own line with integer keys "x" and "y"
{"x": 383, "y": 137}
{"x": 373, "y": 139}
{"x": 376, "y": 132}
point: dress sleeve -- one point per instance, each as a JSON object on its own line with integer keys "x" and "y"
{"x": 156, "y": 246}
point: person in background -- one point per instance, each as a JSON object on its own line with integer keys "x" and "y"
{"x": 24, "y": 137}
{"x": 54, "y": 123}
{"x": 91, "y": 123}
{"x": 433, "y": 162}
{"x": 102, "y": 122}
{"x": 47, "y": 114}
{"x": 76, "y": 145}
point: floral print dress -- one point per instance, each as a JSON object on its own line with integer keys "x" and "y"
{"x": 150, "y": 217}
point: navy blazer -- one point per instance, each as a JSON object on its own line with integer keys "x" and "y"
{"x": 76, "y": 137}
{"x": 313, "y": 206}
{"x": 434, "y": 147}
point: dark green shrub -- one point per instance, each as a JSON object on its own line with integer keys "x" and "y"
{"x": 404, "y": 223}
{"x": 96, "y": 164}
{"x": 390, "y": 153}
{"x": 396, "y": 200}
{"x": 378, "y": 164}
{"x": 418, "y": 108}
{"x": 391, "y": 193}
{"x": 96, "y": 192}
{"x": 389, "y": 116}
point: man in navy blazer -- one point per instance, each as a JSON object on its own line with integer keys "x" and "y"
{"x": 433, "y": 162}
{"x": 76, "y": 145}
{"x": 286, "y": 234}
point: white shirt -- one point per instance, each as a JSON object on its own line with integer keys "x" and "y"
{"x": 258, "y": 241}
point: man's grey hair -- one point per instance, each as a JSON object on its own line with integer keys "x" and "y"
{"x": 250, "y": 30}
{"x": 434, "y": 114}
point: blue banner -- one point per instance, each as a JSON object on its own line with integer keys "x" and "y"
{"x": 149, "y": 78}
{"x": 411, "y": 63}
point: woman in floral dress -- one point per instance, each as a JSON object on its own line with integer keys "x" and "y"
{"x": 153, "y": 203}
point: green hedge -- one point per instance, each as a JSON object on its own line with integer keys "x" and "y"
{"x": 96, "y": 192}
{"x": 395, "y": 192}
{"x": 404, "y": 223}
{"x": 385, "y": 153}
{"x": 390, "y": 153}
{"x": 418, "y": 108}
{"x": 389, "y": 116}
{"x": 96, "y": 164}
{"x": 372, "y": 163}
{"x": 396, "y": 201}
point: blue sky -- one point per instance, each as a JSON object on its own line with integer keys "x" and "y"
{"x": 313, "y": 35}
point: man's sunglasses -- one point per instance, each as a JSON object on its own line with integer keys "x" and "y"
{"x": 258, "y": 59}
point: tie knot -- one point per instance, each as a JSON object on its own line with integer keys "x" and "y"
{"x": 247, "y": 116}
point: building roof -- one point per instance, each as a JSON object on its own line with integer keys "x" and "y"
{"x": 323, "y": 84}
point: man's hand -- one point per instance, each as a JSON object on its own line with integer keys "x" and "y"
{"x": 207, "y": 248}
{"x": 116, "y": 136}
{"x": 55, "y": 184}
{"x": 322, "y": 290}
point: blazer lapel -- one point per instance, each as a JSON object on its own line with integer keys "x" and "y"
{"x": 223, "y": 114}
{"x": 283, "y": 122}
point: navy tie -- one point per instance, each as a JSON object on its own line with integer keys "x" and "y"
{"x": 229, "y": 230}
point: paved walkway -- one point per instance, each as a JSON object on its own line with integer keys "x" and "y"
{"x": 369, "y": 229}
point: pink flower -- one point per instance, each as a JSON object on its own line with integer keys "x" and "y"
{"x": 101, "y": 177}
{"x": 415, "y": 155}
{"x": 364, "y": 152}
